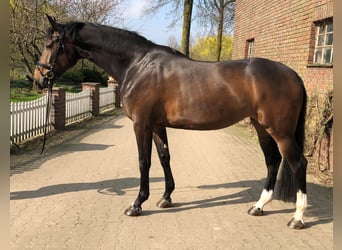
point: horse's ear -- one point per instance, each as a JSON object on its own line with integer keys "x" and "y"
{"x": 56, "y": 26}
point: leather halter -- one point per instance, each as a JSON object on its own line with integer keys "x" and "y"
{"x": 50, "y": 74}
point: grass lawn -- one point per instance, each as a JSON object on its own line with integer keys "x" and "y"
{"x": 21, "y": 91}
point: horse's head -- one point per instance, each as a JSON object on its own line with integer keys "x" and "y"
{"x": 58, "y": 55}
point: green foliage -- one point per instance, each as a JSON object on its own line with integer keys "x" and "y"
{"x": 22, "y": 91}
{"x": 28, "y": 24}
{"x": 74, "y": 76}
{"x": 93, "y": 76}
{"x": 205, "y": 48}
{"x": 21, "y": 84}
{"x": 78, "y": 75}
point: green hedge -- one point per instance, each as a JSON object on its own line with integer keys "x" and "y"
{"x": 77, "y": 76}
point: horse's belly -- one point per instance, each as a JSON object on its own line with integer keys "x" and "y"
{"x": 202, "y": 120}
{"x": 206, "y": 106}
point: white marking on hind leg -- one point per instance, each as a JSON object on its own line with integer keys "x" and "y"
{"x": 301, "y": 205}
{"x": 265, "y": 197}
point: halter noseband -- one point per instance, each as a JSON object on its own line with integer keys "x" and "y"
{"x": 50, "y": 74}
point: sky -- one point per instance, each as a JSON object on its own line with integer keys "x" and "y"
{"x": 155, "y": 27}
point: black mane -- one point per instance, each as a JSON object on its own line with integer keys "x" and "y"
{"x": 72, "y": 30}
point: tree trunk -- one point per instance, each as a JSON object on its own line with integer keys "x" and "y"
{"x": 220, "y": 30}
{"x": 187, "y": 12}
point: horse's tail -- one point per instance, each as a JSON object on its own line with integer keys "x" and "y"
{"x": 300, "y": 130}
{"x": 285, "y": 189}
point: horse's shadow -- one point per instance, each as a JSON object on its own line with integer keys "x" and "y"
{"x": 320, "y": 201}
{"x": 112, "y": 187}
{"x": 249, "y": 194}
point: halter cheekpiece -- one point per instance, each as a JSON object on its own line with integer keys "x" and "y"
{"x": 50, "y": 74}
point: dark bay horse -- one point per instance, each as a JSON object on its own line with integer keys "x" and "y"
{"x": 160, "y": 87}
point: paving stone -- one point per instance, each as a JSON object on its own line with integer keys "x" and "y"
{"x": 74, "y": 196}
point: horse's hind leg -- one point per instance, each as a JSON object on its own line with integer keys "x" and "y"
{"x": 160, "y": 140}
{"x": 273, "y": 159}
{"x": 292, "y": 153}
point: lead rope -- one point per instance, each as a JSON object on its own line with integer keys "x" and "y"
{"x": 49, "y": 75}
{"x": 47, "y": 114}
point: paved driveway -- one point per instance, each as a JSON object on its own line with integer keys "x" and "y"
{"x": 74, "y": 196}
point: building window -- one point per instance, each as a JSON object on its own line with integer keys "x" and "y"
{"x": 323, "y": 53}
{"x": 249, "y": 48}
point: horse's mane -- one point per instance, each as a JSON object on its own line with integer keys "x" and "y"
{"x": 72, "y": 30}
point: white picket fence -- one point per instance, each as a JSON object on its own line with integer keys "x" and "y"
{"x": 107, "y": 97}
{"x": 77, "y": 106}
{"x": 28, "y": 118}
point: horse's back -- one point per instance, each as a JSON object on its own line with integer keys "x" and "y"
{"x": 215, "y": 95}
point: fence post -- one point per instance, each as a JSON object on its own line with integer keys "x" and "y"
{"x": 58, "y": 108}
{"x": 115, "y": 84}
{"x": 94, "y": 96}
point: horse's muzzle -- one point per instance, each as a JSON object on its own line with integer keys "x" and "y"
{"x": 41, "y": 82}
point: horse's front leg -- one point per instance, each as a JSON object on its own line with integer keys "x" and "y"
{"x": 143, "y": 134}
{"x": 160, "y": 140}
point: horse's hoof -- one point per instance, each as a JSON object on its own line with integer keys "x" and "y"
{"x": 133, "y": 211}
{"x": 163, "y": 203}
{"x": 295, "y": 224}
{"x": 255, "y": 211}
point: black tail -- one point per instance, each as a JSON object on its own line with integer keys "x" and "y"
{"x": 285, "y": 188}
{"x": 300, "y": 130}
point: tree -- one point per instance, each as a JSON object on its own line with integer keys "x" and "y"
{"x": 28, "y": 25}
{"x": 26, "y": 32}
{"x": 215, "y": 15}
{"x": 95, "y": 11}
{"x": 219, "y": 14}
{"x": 172, "y": 43}
{"x": 204, "y": 48}
{"x": 187, "y": 13}
{"x": 176, "y": 5}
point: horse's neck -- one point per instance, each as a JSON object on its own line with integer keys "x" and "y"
{"x": 115, "y": 60}
{"x": 110, "y": 63}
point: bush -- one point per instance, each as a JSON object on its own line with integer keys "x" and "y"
{"x": 22, "y": 90}
{"x": 93, "y": 76}
{"x": 21, "y": 84}
{"x": 73, "y": 76}
{"x": 77, "y": 76}
{"x": 319, "y": 132}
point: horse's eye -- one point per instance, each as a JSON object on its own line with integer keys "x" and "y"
{"x": 55, "y": 38}
{"x": 48, "y": 45}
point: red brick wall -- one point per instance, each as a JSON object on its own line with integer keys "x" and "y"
{"x": 284, "y": 31}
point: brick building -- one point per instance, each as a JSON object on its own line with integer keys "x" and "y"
{"x": 297, "y": 33}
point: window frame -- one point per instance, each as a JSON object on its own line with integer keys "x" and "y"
{"x": 321, "y": 43}
{"x": 249, "y": 50}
